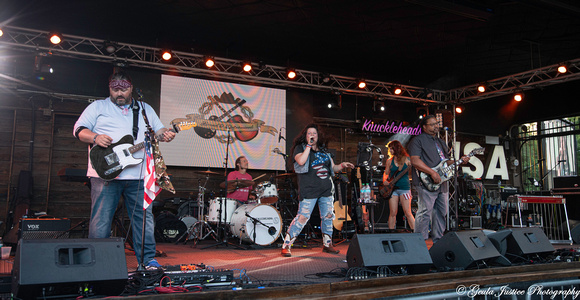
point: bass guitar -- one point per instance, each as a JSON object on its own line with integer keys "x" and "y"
{"x": 111, "y": 161}
{"x": 387, "y": 189}
{"x": 445, "y": 171}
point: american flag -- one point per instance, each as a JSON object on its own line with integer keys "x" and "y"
{"x": 151, "y": 187}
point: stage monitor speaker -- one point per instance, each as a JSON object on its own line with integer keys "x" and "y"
{"x": 389, "y": 249}
{"x": 52, "y": 267}
{"x": 528, "y": 240}
{"x": 462, "y": 250}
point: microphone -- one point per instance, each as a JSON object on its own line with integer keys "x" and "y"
{"x": 541, "y": 160}
{"x": 272, "y": 230}
{"x": 563, "y": 160}
{"x": 280, "y": 137}
{"x": 277, "y": 151}
{"x": 447, "y": 129}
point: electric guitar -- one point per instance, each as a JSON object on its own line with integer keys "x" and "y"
{"x": 340, "y": 211}
{"x": 387, "y": 189}
{"x": 208, "y": 133}
{"x": 445, "y": 171}
{"x": 111, "y": 161}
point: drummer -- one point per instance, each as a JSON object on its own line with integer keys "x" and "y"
{"x": 241, "y": 193}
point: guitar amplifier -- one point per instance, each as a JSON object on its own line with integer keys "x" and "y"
{"x": 44, "y": 228}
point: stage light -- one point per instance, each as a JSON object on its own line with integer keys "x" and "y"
{"x": 55, "y": 38}
{"x": 247, "y": 66}
{"x": 562, "y": 68}
{"x": 110, "y": 47}
{"x": 459, "y": 109}
{"x": 325, "y": 77}
{"x": 518, "y": 95}
{"x": 422, "y": 112}
{"x": 482, "y": 88}
{"x": 166, "y": 55}
{"x": 361, "y": 84}
{"x": 209, "y": 61}
{"x": 335, "y": 100}
{"x": 291, "y": 73}
{"x": 397, "y": 90}
{"x": 1, "y": 32}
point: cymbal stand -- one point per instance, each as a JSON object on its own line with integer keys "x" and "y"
{"x": 200, "y": 230}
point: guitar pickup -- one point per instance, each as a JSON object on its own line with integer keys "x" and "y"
{"x": 111, "y": 159}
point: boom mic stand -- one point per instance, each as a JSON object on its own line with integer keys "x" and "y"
{"x": 271, "y": 229}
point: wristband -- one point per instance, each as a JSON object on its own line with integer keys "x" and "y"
{"x": 95, "y": 138}
{"x": 308, "y": 145}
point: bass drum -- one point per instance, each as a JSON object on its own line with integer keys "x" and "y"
{"x": 265, "y": 232}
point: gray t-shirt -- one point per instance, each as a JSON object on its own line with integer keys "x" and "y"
{"x": 316, "y": 182}
{"x": 426, "y": 147}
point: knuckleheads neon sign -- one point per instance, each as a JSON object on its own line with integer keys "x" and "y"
{"x": 387, "y": 127}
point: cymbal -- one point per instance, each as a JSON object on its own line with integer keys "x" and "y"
{"x": 208, "y": 172}
{"x": 236, "y": 184}
{"x": 285, "y": 175}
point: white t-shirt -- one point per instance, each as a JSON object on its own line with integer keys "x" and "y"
{"x": 105, "y": 117}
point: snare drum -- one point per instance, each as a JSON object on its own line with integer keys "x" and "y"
{"x": 267, "y": 192}
{"x": 228, "y": 207}
{"x": 267, "y": 230}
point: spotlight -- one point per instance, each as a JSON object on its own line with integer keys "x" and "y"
{"x": 291, "y": 73}
{"x": 110, "y": 47}
{"x": 55, "y": 38}
{"x": 562, "y": 68}
{"x": 166, "y": 55}
{"x": 247, "y": 66}
{"x": 1, "y": 32}
{"x": 422, "y": 112}
{"x": 361, "y": 84}
{"x": 325, "y": 77}
{"x": 209, "y": 61}
{"x": 397, "y": 90}
{"x": 459, "y": 109}
{"x": 519, "y": 95}
{"x": 482, "y": 88}
{"x": 335, "y": 100}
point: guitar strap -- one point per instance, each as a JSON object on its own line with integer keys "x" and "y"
{"x": 135, "y": 106}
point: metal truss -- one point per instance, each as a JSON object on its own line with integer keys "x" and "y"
{"x": 528, "y": 80}
{"x": 122, "y": 54}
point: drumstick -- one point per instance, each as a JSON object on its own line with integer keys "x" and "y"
{"x": 260, "y": 176}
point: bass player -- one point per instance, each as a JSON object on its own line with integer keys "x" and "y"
{"x": 428, "y": 151}
{"x": 396, "y": 185}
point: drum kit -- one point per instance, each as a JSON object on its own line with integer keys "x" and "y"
{"x": 257, "y": 222}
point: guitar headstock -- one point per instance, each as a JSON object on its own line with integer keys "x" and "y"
{"x": 184, "y": 126}
{"x": 477, "y": 151}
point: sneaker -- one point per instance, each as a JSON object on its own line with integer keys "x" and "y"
{"x": 330, "y": 249}
{"x": 153, "y": 265}
{"x": 286, "y": 252}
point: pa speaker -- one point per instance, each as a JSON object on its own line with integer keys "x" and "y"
{"x": 462, "y": 250}
{"x": 526, "y": 241}
{"x": 52, "y": 267}
{"x": 396, "y": 249}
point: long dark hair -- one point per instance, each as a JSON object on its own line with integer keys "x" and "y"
{"x": 301, "y": 138}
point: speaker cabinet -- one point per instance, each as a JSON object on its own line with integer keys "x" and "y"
{"x": 45, "y": 228}
{"x": 522, "y": 241}
{"x": 393, "y": 250}
{"x": 462, "y": 249}
{"x": 52, "y": 267}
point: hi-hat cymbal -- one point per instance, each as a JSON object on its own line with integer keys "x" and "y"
{"x": 285, "y": 175}
{"x": 236, "y": 184}
{"x": 208, "y": 172}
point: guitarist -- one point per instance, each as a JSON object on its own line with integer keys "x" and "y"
{"x": 100, "y": 124}
{"x": 427, "y": 151}
{"x": 398, "y": 166}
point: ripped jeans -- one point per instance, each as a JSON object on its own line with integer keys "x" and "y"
{"x": 326, "y": 207}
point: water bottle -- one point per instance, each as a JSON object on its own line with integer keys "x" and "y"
{"x": 367, "y": 193}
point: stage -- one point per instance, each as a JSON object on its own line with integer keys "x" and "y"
{"x": 260, "y": 272}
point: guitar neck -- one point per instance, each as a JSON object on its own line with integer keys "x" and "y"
{"x": 141, "y": 145}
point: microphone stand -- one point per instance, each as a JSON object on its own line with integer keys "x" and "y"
{"x": 256, "y": 221}
{"x": 223, "y": 204}
{"x": 549, "y": 171}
